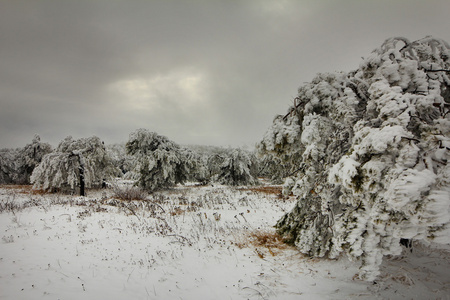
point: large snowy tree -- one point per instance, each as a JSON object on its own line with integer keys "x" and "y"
{"x": 369, "y": 150}
{"x": 75, "y": 163}
{"x": 160, "y": 163}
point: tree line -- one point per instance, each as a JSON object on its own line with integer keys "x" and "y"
{"x": 151, "y": 160}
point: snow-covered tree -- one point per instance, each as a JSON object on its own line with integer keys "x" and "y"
{"x": 229, "y": 166}
{"x": 29, "y": 157}
{"x": 195, "y": 164}
{"x": 214, "y": 163}
{"x": 370, "y": 151}
{"x": 281, "y": 149}
{"x": 238, "y": 167}
{"x": 275, "y": 168}
{"x": 158, "y": 162}
{"x": 210, "y": 159}
{"x": 16, "y": 165}
{"x": 120, "y": 158}
{"x": 75, "y": 163}
{"x": 7, "y": 165}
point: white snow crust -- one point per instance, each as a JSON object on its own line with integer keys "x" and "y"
{"x": 186, "y": 243}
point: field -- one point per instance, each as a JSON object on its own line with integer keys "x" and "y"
{"x": 191, "y": 242}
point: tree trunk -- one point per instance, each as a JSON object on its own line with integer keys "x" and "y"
{"x": 82, "y": 193}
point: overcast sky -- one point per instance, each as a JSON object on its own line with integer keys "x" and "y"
{"x": 198, "y": 72}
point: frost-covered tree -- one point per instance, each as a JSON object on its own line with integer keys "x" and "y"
{"x": 120, "y": 158}
{"x": 370, "y": 149}
{"x": 195, "y": 165}
{"x": 7, "y": 165}
{"x": 29, "y": 158}
{"x": 16, "y": 165}
{"x": 210, "y": 159}
{"x": 158, "y": 162}
{"x": 281, "y": 150}
{"x": 238, "y": 167}
{"x": 75, "y": 163}
{"x": 214, "y": 163}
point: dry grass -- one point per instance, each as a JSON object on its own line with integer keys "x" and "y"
{"x": 128, "y": 193}
{"x": 270, "y": 190}
{"x": 267, "y": 239}
{"x": 176, "y": 211}
{"x": 24, "y": 189}
{"x": 265, "y": 242}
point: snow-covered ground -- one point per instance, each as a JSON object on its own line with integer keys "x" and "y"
{"x": 211, "y": 242}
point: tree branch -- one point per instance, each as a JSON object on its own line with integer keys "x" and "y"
{"x": 294, "y": 108}
{"x": 439, "y": 70}
{"x": 410, "y": 139}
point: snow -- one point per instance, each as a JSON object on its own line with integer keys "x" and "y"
{"x": 409, "y": 188}
{"x": 189, "y": 242}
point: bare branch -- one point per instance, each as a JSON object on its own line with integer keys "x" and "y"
{"x": 439, "y": 70}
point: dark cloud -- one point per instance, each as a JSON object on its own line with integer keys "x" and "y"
{"x": 205, "y": 72}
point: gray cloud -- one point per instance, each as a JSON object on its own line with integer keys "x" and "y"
{"x": 204, "y": 72}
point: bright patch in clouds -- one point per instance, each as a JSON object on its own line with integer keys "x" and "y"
{"x": 185, "y": 90}
{"x": 280, "y": 7}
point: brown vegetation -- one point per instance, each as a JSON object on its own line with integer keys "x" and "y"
{"x": 271, "y": 190}
{"x": 265, "y": 242}
{"x": 128, "y": 192}
{"x": 23, "y": 189}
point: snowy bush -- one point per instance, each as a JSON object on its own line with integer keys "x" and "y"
{"x": 369, "y": 150}
{"x": 74, "y": 163}
{"x": 160, "y": 163}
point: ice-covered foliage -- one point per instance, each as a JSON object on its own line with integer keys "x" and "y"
{"x": 370, "y": 151}
{"x": 195, "y": 165}
{"x": 16, "y": 165}
{"x": 120, "y": 158}
{"x": 7, "y": 165}
{"x": 211, "y": 158}
{"x": 61, "y": 168}
{"x": 237, "y": 167}
{"x": 160, "y": 163}
{"x": 280, "y": 150}
{"x": 226, "y": 165}
{"x": 29, "y": 158}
